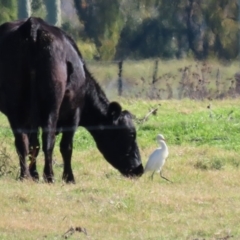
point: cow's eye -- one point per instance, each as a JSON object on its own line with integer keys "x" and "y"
{"x": 133, "y": 135}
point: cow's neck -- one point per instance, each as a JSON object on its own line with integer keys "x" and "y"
{"x": 94, "y": 112}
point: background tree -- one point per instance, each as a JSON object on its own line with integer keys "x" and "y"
{"x": 8, "y": 10}
{"x": 103, "y": 23}
{"x": 222, "y": 18}
{"x": 177, "y": 28}
{"x": 38, "y": 9}
{"x": 121, "y": 29}
{"x": 196, "y": 28}
{"x": 53, "y": 12}
{"x": 160, "y": 33}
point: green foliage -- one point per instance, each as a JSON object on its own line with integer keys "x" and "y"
{"x": 223, "y": 22}
{"x": 229, "y": 39}
{"x": 8, "y": 10}
{"x": 88, "y": 49}
{"x": 161, "y": 28}
{"x": 36, "y": 4}
{"x": 39, "y": 9}
{"x": 7, "y": 167}
{"x": 144, "y": 29}
{"x": 102, "y": 23}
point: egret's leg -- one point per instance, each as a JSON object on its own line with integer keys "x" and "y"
{"x": 152, "y": 175}
{"x": 164, "y": 177}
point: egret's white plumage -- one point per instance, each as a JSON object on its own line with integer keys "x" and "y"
{"x": 158, "y": 157}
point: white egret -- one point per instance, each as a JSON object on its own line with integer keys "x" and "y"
{"x": 157, "y": 158}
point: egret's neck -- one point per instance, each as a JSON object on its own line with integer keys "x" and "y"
{"x": 163, "y": 144}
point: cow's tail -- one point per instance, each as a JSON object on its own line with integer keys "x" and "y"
{"x": 29, "y": 31}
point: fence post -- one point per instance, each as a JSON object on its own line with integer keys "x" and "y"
{"x": 155, "y": 72}
{"x": 218, "y": 79}
{"x": 120, "y": 84}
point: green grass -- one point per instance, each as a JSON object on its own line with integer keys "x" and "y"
{"x": 189, "y": 122}
{"x": 203, "y": 202}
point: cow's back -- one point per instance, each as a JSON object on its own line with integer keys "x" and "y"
{"x": 13, "y": 58}
{"x": 16, "y": 67}
{"x": 35, "y": 61}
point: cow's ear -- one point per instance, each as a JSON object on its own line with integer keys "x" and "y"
{"x": 114, "y": 110}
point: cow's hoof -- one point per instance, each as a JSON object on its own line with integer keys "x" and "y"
{"x": 48, "y": 179}
{"x": 25, "y": 176}
{"x": 68, "y": 178}
{"x": 35, "y": 175}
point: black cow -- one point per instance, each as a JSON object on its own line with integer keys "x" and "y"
{"x": 45, "y": 84}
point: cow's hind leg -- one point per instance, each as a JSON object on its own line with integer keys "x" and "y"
{"x": 48, "y": 139}
{"x": 33, "y": 153}
{"x": 66, "y": 146}
{"x": 21, "y": 143}
{"x": 51, "y": 79}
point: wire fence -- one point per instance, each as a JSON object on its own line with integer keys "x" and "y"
{"x": 174, "y": 79}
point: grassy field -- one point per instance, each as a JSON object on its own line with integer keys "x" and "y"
{"x": 203, "y": 202}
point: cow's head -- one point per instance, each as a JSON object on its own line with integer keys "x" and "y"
{"x": 118, "y": 142}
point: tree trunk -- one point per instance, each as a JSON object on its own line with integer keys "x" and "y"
{"x": 24, "y": 9}
{"x": 53, "y": 12}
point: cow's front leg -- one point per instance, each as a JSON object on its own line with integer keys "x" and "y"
{"x": 34, "y": 146}
{"x": 66, "y": 146}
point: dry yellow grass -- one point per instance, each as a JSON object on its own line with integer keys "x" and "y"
{"x": 198, "y": 204}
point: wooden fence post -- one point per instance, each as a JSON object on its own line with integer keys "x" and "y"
{"x": 120, "y": 84}
{"x": 155, "y": 72}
